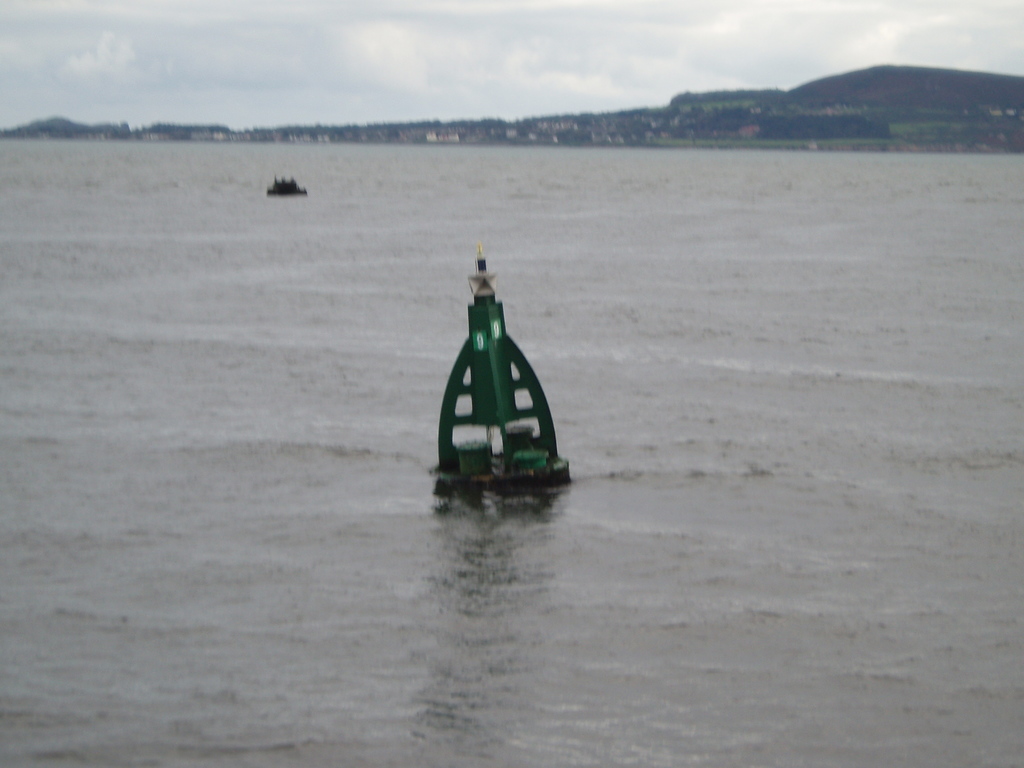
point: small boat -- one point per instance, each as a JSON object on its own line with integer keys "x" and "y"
{"x": 285, "y": 187}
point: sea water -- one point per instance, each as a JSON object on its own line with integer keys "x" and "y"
{"x": 790, "y": 386}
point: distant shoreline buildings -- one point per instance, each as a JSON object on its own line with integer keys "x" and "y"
{"x": 878, "y": 109}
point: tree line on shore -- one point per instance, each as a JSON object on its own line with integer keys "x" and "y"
{"x": 877, "y": 108}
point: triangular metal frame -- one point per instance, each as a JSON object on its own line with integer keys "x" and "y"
{"x": 490, "y": 369}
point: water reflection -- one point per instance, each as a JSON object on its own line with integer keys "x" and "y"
{"x": 489, "y": 583}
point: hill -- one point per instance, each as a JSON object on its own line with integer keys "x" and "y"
{"x": 62, "y": 128}
{"x": 912, "y": 88}
{"x": 881, "y": 108}
{"x": 885, "y": 107}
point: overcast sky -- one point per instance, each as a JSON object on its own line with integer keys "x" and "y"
{"x": 264, "y": 63}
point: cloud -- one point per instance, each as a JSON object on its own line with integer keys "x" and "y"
{"x": 112, "y": 59}
{"x": 391, "y": 54}
{"x": 263, "y": 62}
{"x": 552, "y": 53}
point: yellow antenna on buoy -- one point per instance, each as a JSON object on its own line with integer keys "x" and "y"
{"x": 481, "y": 263}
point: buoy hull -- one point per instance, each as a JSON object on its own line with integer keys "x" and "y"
{"x": 554, "y": 473}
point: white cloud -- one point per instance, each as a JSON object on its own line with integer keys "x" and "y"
{"x": 390, "y": 54}
{"x": 263, "y": 61}
{"x": 112, "y": 59}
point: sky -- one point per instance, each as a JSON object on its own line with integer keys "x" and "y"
{"x": 267, "y": 63}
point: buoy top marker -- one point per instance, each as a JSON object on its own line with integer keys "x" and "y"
{"x": 483, "y": 283}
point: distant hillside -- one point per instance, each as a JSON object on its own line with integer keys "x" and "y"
{"x": 62, "y": 128}
{"x": 886, "y": 108}
{"x": 912, "y": 88}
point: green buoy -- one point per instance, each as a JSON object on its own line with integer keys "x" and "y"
{"x": 492, "y": 389}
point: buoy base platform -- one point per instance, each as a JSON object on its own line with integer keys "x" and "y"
{"x": 553, "y": 472}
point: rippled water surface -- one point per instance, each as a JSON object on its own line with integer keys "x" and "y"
{"x": 790, "y": 385}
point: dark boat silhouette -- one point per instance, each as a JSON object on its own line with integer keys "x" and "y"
{"x": 285, "y": 187}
